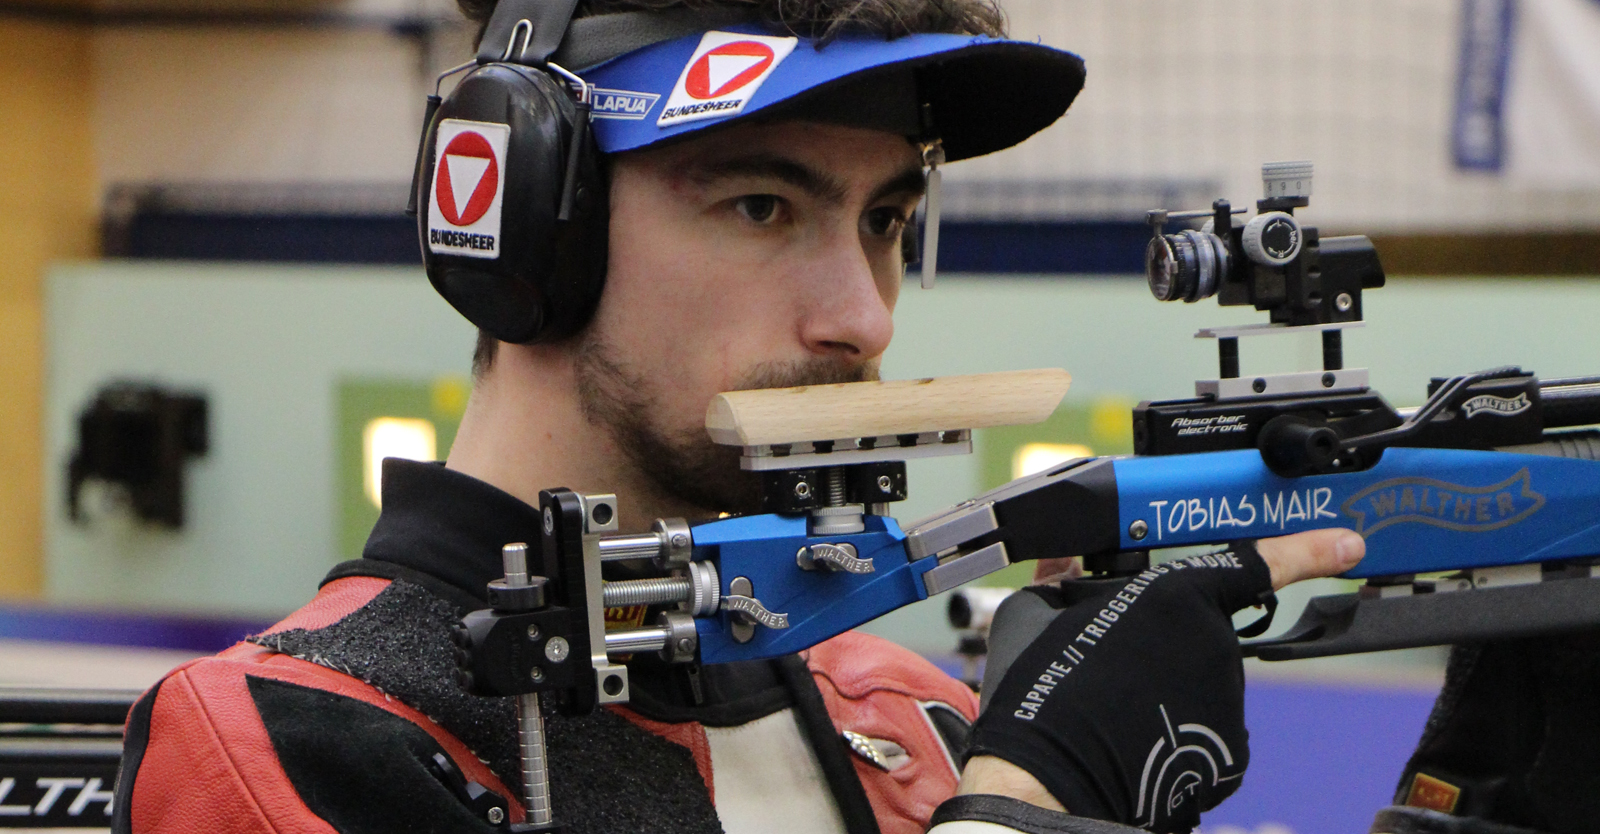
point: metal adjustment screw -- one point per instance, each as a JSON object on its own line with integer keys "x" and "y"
{"x": 675, "y": 543}
{"x": 557, "y": 650}
{"x": 833, "y": 557}
{"x": 705, "y": 596}
{"x": 836, "y": 521}
{"x": 1344, "y": 302}
{"x": 514, "y": 558}
{"x": 549, "y": 522}
{"x": 496, "y": 816}
{"x": 536, "y": 674}
{"x": 747, "y": 611}
{"x": 1138, "y": 530}
{"x": 533, "y": 633}
{"x": 1328, "y": 379}
{"x": 681, "y": 638}
{"x": 802, "y": 490}
{"x": 884, "y": 484}
{"x": 1258, "y": 385}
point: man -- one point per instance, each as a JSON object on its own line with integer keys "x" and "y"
{"x": 761, "y": 248}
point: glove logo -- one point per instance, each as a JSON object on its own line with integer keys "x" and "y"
{"x": 1443, "y": 504}
{"x": 468, "y": 181}
{"x": 724, "y": 73}
{"x": 1180, "y": 767}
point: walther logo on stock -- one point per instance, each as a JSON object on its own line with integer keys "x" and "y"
{"x": 1443, "y": 504}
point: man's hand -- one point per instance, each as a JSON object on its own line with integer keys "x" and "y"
{"x": 1310, "y": 555}
{"x": 1137, "y": 717}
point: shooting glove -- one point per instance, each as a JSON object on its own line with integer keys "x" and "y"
{"x": 1128, "y": 705}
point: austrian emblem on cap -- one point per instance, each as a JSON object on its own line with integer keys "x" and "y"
{"x": 724, "y": 73}
{"x": 468, "y": 189}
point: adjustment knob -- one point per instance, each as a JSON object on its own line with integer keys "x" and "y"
{"x": 1286, "y": 180}
{"x": 1272, "y": 238}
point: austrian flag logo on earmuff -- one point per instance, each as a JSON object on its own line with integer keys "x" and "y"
{"x": 723, "y": 75}
{"x": 468, "y": 188}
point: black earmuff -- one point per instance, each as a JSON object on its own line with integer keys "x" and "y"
{"x": 510, "y": 199}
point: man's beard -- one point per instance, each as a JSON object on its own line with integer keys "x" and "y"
{"x": 684, "y": 463}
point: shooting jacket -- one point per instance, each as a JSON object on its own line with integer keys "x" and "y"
{"x": 346, "y": 717}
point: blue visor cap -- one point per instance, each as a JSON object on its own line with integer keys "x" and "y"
{"x": 976, "y": 94}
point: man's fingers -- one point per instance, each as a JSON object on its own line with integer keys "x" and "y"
{"x": 1046, "y": 571}
{"x": 1311, "y": 554}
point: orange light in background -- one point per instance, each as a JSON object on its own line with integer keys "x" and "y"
{"x": 1032, "y": 458}
{"x": 394, "y": 437}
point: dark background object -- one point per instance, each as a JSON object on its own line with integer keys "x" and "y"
{"x": 137, "y": 436}
{"x": 59, "y": 750}
{"x": 288, "y": 222}
{"x": 366, "y": 223}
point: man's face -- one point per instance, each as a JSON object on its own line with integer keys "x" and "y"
{"x": 757, "y": 256}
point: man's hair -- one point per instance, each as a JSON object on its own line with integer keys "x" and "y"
{"x": 817, "y": 19}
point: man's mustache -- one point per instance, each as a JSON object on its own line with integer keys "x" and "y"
{"x": 807, "y": 372}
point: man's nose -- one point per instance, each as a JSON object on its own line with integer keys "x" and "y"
{"x": 848, "y": 316}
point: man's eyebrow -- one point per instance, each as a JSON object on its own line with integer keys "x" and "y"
{"x": 909, "y": 182}
{"x": 816, "y": 183}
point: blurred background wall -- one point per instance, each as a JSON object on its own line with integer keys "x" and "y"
{"x": 48, "y": 204}
{"x": 1368, "y": 89}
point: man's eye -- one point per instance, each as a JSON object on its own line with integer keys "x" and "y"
{"x": 883, "y": 222}
{"x": 758, "y": 208}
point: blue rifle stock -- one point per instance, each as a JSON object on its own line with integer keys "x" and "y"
{"x": 1517, "y": 525}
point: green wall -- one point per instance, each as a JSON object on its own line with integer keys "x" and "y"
{"x": 270, "y": 347}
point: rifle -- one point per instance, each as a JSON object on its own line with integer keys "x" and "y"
{"x": 1486, "y": 483}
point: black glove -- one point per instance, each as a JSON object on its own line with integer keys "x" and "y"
{"x": 1513, "y": 741}
{"x": 1129, "y": 706}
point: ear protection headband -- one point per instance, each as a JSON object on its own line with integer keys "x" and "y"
{"x": 510, "y": 202}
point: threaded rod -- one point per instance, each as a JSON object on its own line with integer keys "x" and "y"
{"x": 836, "y": 494}
{"x": 647, "y": 592}
{"x": 535, "y": 769}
